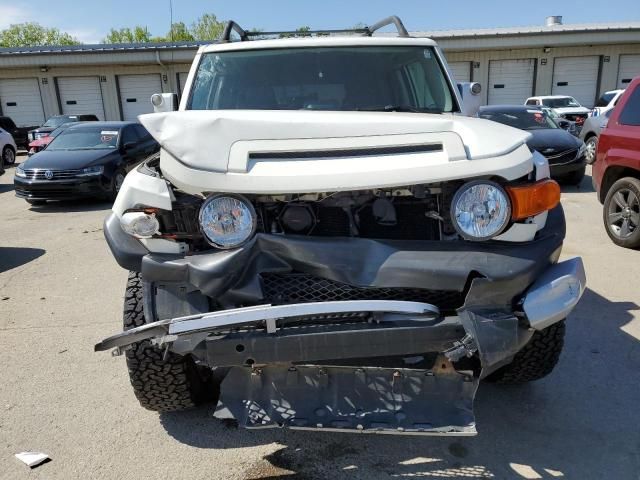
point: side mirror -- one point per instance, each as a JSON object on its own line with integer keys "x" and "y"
{"x": 471, "y": 99}
{"x": 164, "y": 102}
{"x": 564, "y": 124}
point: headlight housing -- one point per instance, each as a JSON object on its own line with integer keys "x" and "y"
{"x": 20, "y": 172}
{"x": 582, "y": 149}
{"x": 91, "y": 171}
{"x": 480, "y": 210}
{"x": 227, "y": 221}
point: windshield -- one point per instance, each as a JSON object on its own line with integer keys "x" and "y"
{"x": 57, "y": 121}
{"x": 560, "y": 102}
{"x": 86, "y": 139}
{"x": 338, "y": 78}
{"x": 604, "y": 100}
{"x": 524, "y": 120}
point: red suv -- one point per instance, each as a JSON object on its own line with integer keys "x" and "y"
{"x": 616, "y": 171}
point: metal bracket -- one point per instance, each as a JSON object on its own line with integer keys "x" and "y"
{"x": 465, "y": 347}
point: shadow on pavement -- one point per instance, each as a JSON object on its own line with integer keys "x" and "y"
{"x": 12, "y": 257}
{"x": 6, "y": 187}
{"x": 586, "y": 186}
{"x": 581, "y": 422}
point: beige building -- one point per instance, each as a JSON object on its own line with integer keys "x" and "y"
{"x": 116, "y": 81}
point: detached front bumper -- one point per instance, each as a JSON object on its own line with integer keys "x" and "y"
{"x": 378, "y": 364}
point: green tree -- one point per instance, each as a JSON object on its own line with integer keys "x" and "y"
{"x": 179, "y": 33}
{"x": 300, "y": 32}
{"x": 127, "y": 35}
{"x": 32, "y": 34}
{"x": 207, "y": 27}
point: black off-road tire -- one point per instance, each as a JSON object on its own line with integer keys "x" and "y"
{"x": 536, "y": 360}
{"x": 162, "y": 385}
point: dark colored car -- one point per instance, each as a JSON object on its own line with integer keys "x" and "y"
{"x": 591, "y": 132}
{"x": 19, "y": 134}
{"x": 565, "y": 153}
{"x": 616, "y": 172}
{"x": 54, "y": 122}
{"x": 86, "y": 160}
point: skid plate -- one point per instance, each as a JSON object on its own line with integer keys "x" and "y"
{"x": 367, "y": 399}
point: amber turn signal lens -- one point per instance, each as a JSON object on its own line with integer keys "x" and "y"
{"x": 530, "y": 200}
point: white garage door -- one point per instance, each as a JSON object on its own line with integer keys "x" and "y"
{"x": 80, "y": 95}
{"x": 510, "y": 81}
{"x": 461, "y": 71}
{"x": 135, "y": 94}
{"x": 20, "y": 99}
{"x": 577, "y": 77}
{"x": 182, "y": 81}
{"x": 628, "y": 70}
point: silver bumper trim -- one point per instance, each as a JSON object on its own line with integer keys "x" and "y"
{"x": 555, "y": 294}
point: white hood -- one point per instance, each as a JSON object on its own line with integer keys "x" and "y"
{"x": 204, "y": 150}
{"x": 572, "y": 110}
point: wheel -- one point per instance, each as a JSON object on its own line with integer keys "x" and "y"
{"x": 162, "y": 383}
{"x": 116, "y": 184}
{"x": 8, "y": 155}
{"x": 536, "y": 360}
{"x": 574, "y": 178}
{"x": 36, "y": 202}
{"x": 621, "y": 212}
{"x": 591, "y": 144}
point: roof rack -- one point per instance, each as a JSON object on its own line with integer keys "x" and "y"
{"x": 245, "y": 35}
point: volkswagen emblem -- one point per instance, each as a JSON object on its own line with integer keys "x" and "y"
{"x": 48, "y": 174}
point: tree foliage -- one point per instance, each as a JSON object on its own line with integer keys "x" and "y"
{"x": 137, "y": 34}
{"x": 207, "y": 27}
{"x": 32, "y": 34}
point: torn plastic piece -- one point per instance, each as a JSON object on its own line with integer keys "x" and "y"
{"x": 465, "y": 347}
{"x": 32, "y": 459}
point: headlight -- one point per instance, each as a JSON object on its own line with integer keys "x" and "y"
{"x": 480, "y": 210}
{"x": 227, "y": 221}
{"x": 38, "y": 136}
{"x": 581, "y": 150}
{"x": 20, "y": 172}
{"x": 140, "y": 224}
{"x": 90, "y": 171}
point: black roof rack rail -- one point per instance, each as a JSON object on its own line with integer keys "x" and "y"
{"x": 232, "y": 26}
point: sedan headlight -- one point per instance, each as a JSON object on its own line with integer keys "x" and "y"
{"x": 581, "y": 150}
{"x": 91, "y": 171}
{"x": 227, "y": 221}
{"x": 480, "y": 210}
{"x": 20, "y": 172}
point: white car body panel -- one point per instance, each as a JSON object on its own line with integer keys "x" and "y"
{"x": 6, "y": 139}
{"x": 612, "y": 103}
{"x": 563, "y": 110}
{"x": 207, "y": 151}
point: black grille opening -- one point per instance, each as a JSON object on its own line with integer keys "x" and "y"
{"x": 286, "y": 288}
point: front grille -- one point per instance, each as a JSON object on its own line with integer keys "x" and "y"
{"x": 41, "y": 174}
{"x": 286, "y": 288}
{"x": 562, "y": 157}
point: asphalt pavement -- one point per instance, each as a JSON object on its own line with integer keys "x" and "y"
{"x": 61, "y": 292}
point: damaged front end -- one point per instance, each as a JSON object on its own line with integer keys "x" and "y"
{"x": 351, "y": 333}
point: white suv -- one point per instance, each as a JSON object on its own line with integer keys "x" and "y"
{"x": 329, "y": 244}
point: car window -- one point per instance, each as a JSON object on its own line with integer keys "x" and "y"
{"x": 560, "y": 102}
{"x": 56, "y": 121}
{"x": 142, "y": 132}
{"x": 604, "y": 100}
{"x": 630, "y": 114}
{"x": 337, "y": 79}
{"x": 532, "y": 102}
{"x": 129, "y": 135}
{"x": 86, "y": 139}
{"x": 522, "y": 119}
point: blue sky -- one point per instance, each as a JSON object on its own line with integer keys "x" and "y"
{"x": 90, "y": 20}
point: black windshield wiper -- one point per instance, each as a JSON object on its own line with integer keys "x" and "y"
{"x": 398, "y": 108}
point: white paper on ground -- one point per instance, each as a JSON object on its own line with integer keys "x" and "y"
{"x": 32, "y": 459}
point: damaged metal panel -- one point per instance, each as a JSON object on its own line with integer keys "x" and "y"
{"x": 365, "y": 399}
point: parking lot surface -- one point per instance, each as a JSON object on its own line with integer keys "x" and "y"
{"x": 61, "y": 292}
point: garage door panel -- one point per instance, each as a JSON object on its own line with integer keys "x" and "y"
{"x": 510, "y": 81}
{"x": 461, "y": 71}
{"x": 577, "y": 77}
{"x": 80, "y": 96}
{"x": 628, "y": 69}
{"x": 135, "y": 94}
{"x": 21, "y": 100}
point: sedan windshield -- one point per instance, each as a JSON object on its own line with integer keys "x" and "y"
{"x": 408, "y": 79}
{"x": 85, "y": 139}
{"x": 522, "y": 119}
{"x": 560, "y": 102}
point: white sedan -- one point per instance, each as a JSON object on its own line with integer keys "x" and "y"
{"x": 7, "y": 150}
